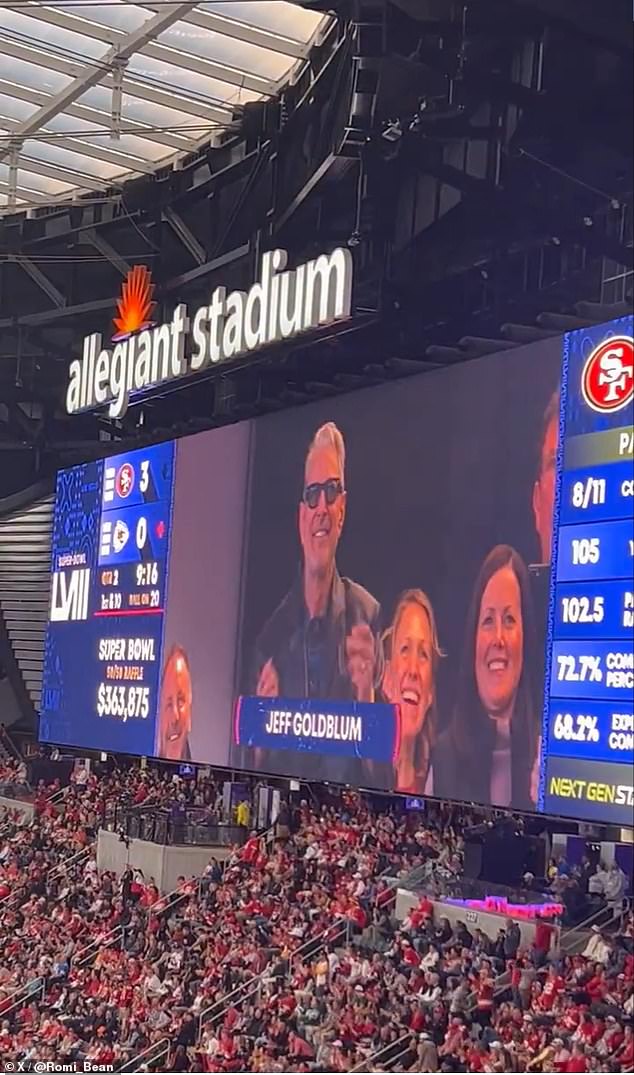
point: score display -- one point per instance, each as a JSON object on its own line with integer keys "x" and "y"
{"x": 110, "y": 558}
{"x": 589, "y": 714}
{"x": 174, "y": 560}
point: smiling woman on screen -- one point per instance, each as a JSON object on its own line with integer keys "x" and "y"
{"x": 487, "y": 754}
{"x": 410, "y": 682}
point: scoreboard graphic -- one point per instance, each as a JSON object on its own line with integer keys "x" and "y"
{"x": 110, "y": 562}
{"x": 115, "y": 627}
{"x": 589, "y": 715}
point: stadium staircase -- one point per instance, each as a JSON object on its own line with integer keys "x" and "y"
{"x": 37, "y": 988}
{"x": 26, "y": 523}
{"x": 9, "y": 752}
{"x": 575, "y": 938}
{"x": 338, "y": 934}
{"x": 158, "y": 1052}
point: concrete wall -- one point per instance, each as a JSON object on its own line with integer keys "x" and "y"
{"x": 27, "y": 810}
{"x": 488, "y": 921}
{"x": 164, "y": 864}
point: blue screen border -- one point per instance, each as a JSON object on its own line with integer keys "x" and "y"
{"x": 550, "y": 624}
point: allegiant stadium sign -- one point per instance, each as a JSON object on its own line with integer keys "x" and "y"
{"x": 280, "y": 305}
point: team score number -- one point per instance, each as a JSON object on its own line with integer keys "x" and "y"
{"x": 141, "y": 532}
{"x": 582, "y": 609}
{"x": 124, "y": 702}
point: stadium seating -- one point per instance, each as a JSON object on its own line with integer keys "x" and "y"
{"x": 288, "y": 960}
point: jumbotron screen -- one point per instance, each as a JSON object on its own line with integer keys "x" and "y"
{"x": 424, "y": 587}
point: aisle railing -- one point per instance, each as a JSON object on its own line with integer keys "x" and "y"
{"x": 254, "y": 984}
{"x": 379, "y": 1057}
{"x": 117, "y": 934}
{"x": 26, "y": 993}
{"x": 12, "y": 899}
{"x": 155, "y": 1052}
{"x": 571, "y": 935}
{"x": 106, "y": 940}
{"x": 70, "y": 860}
{"x": 82, "y": 957}
{"x": 11, "y": 748}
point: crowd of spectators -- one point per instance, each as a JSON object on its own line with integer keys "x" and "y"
{"x": 287, "y": 958}
{"x": 423, "y": 995}
{"x": 587, "y": 886}
{"x": 13, "y": 777}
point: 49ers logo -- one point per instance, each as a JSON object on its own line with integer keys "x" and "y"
{"x": 124, "y": 481}
{"x": 607, "y": 380}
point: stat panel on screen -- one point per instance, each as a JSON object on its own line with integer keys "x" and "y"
{"x": 589, "y": 717}
{"x": 109, "y": 574}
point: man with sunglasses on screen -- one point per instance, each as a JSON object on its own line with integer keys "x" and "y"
{"x": 323, "y": 640}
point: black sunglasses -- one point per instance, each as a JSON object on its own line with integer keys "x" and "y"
{"x": 332, "y": 488}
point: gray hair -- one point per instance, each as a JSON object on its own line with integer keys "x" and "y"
{"x": 329, "y": 436}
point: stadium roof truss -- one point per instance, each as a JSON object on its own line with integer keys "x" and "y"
{"x": 95, "y": 92}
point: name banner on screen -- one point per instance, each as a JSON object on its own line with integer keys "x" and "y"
{"x": 368, "y": 731}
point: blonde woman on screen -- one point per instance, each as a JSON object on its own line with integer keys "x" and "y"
{"x": 410, "y": 683}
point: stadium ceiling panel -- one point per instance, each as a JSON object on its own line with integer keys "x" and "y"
{"x": 95, "y": 93}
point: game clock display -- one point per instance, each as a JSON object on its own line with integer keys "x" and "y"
{"x": 110, "y": 559}
{"x": 589, "y": 716}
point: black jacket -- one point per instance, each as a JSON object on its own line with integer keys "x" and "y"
{"x": 289, "y": 634}
{"x": 286, "y": 640}
{"x": 469, "y": 779}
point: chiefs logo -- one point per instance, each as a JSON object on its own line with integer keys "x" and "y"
{"x": 607, "y": 380}
{"x": 124, "y": 481}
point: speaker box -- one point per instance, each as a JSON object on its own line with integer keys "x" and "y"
{"x": 503, "y": 857}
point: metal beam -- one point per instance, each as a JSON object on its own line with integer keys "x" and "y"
{"x": 93, "y": 75}
{"x": 240, "y": 31}
{"x": 108, "y": 251}
{"x": 53, "y": 315}
{"x": 180, "y": 142}
{"x": 20, "y": 422}
{"x": 208, "y": 267}
{"x": 64, "y": 175}
{"x": 544, "y": 219}
{"x": 231, "y": 76}
{"x": 32, "y": 197}
{"x": 99, "y": 71}
{"x": 187, "y": 238}
{"x": 42, "y": 281}
{"x": 307, "y": 189}
{"x": 87, "y": 149}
